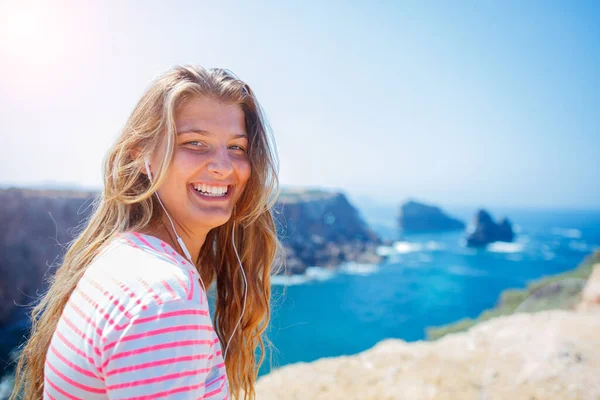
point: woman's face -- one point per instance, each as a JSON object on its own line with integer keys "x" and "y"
{"x": 210, "y": 165}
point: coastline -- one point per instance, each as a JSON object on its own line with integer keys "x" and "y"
{"x": 548, "y": 354}
{"x": 512, "y": 300}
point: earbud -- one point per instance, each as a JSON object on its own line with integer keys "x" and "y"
{"x": 148, "y": 170}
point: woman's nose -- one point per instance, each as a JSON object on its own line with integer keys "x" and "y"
{"x": 220, "y": 162}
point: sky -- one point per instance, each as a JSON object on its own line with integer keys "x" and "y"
{"x": 453, "y": 103}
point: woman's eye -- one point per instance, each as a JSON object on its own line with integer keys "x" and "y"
{"x": 195, "y": 143}
{"x": 236, "y": 147}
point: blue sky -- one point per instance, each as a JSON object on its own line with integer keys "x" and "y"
{"x": 469, "y": 103}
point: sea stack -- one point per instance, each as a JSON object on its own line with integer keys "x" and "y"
{"x": 487, "y": 231}
{"x": 421, "y": 218}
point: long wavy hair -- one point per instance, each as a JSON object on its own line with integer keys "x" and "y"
{"x": 126, "y": 203}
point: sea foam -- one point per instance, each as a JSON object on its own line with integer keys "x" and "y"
{"x": 505, "y": 247}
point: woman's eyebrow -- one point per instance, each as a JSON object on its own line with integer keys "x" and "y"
{"x": 203, "y": 132}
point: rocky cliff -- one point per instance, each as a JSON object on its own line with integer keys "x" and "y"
{"x": 317, "y": 228}
{"x": 544, "y": 355}
{"x": 322, "y": 228}
{"x": 417, "y": 217}
{"x": 35, "y": 226}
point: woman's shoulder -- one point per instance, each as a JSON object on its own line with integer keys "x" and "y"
{"x": 138, "y": 270}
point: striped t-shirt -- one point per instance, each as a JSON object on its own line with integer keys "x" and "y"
{"x": 137, "y": 326}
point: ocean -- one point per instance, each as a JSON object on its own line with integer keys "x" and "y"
{"x": 428, "y": 280}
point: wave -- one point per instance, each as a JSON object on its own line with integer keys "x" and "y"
{"x": 465, "y": 271}
{"x": 412, "y": 247}
{"x": 359, "y": 269}
{"x": 311, "y": 274}
{"x": 584, "y": 247}
{"x": 505, "y": 247}
{"x": 567, "y": 232}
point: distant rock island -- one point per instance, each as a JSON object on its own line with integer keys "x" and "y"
{"x": 418, "y": 217}
{"x": 487, "y": 231}
{"x": 316, "y": 227}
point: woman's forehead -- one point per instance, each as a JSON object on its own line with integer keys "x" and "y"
{"x": 207, "y": 116}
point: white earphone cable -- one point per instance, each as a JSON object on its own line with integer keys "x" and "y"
{"x": 189, "y": 257}
{"x": 245, "y": 289}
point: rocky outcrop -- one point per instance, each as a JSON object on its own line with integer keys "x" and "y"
{"x": 319, "y": 228}
{"x": 36, "y": 225}
{"x": 545, "y": 355}
{"x": 420, "y": 218}
{"x": 316, "y": 228}
{"x": 590, "y": 297}
{"x": 487, "y": 231}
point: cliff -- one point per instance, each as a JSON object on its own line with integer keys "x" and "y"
{"x": 316, "y": 228}
{"x": 322, "y": 228}
{"x": 420, "y": 218}
{"x": 544, "y": 355}
{"x": 36, "y": 225}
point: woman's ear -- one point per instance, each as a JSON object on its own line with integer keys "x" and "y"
{"x": 135, "y": 155}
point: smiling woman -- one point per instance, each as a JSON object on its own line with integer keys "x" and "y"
{"x": 188, "y": 191}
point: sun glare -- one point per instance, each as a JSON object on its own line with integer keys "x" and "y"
{"x": 31, "y": 33}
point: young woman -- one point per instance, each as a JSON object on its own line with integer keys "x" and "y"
{"x": 188, "y": 189}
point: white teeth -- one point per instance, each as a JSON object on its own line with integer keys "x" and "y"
{"x": 211, "y": 190}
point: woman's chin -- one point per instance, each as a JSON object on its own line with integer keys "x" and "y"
{"x": 212, "y": 220}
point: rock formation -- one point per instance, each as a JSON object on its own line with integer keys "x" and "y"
{"x": 545, "y": 355}
{"x": 487, "y": 231}
{"x": 316, "y": 228}
{"x": 323, "y": 229}
{"x": 420, "y": 218}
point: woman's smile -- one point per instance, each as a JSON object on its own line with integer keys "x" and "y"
{"x": 210, "y": 160}
{"x": 212, "y": 192}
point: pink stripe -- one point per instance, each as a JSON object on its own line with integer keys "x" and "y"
{"x": 110, "y": 296}
{"x": 162, "y": 316}
{"x": 47, "y": 393}
{"x": 141, "y": 239}
{"x": 157, "y": 363}
{"x": 81, "y": 334}
{"x": 173, "y": 256}
{"x": 160, "y": 331}
{"x": 85, "y": 317}
{"x": 158, "y": 347}
{"x": 171, "y": 314}
{"x": 72, "y": 382}
{"x": 170, "y": 289}
{"x": 75, "y": 349}
{"x": 212, "y": 393}
{"x": 71, "y": 365}
{"x": 150, "y": 290}
{"x": 216, "y": 380}
{"x": 152, "y": 380}
{"x": 216, "y": 391}
{"x": 59, "y": 390}
{"x": 130, "y": 242}
{"x": 183, "y": 285}
{"x": 168, "y": 392}
{"x": 95, "y": 305}
{"x": 126, "y": 289}
{"x": 191, "y": 294}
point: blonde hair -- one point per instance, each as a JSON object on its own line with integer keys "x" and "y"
{"x": 126, "y": 203}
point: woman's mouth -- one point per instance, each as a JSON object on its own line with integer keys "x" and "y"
{"x": 212, "y": 192}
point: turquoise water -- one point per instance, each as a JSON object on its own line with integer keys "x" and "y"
{"x": 429, "y": 280}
